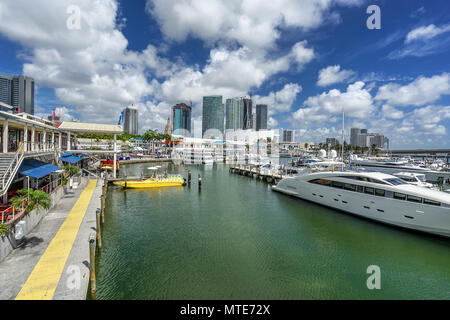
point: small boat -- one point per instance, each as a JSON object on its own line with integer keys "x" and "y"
{"x": 108, "y": 165}
{"x": 152, "y": 183}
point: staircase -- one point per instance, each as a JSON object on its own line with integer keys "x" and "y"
{"x": 9, "y": 165}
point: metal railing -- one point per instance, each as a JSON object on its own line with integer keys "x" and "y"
{"x": 9, "y": 173}
{"x": 14, "y": 212}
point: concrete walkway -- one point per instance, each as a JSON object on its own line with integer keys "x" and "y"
{"x": 54, "y": 262}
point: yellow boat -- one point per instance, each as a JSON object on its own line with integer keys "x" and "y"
{"x": 152, "y": 183}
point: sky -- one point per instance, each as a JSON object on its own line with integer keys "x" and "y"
{"x": 306, "y": 59}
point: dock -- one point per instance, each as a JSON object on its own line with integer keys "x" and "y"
{"x": 263, "y": 174}
{"x": 54, "y": 262}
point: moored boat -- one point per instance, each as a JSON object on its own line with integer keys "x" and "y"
{"x": 374, "y": 195}
{"x": 152, "y": 183}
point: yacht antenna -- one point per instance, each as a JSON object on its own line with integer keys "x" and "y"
{"x": 343, "y": 116}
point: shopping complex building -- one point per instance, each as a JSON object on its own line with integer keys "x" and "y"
{"x": 33, "y": 152}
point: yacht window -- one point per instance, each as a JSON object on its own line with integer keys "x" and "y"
{"x": 399, "y": 196}
{"x": 350, "y": 187}
{"x": 431, "y": 202}
{"x": 395, "y": 181}
{"x": 337, "y": 184}
{"x": 322, "y": 182}
{"x": 369, "y": 190}
{"x": 414, "y": 199}
{"x": 376, "y": 181}
{"x": 379, "y": 192}
{"x": 360, "y": 189}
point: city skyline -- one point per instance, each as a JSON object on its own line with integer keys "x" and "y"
{"x": 388, "y": 80}
{"x": 18, "y": 91}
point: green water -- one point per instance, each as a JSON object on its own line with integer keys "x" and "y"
{"x": 237, "y": 239}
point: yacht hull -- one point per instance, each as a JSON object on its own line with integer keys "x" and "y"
{"x": 429, "y": 219}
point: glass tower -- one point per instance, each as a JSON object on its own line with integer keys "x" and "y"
{"x": 261, "y": 117}
{"x": 248, "y": 107}
{"x": 234, "y": 114}
{"x": 181, "y": 119}
{"x": 213, "y": 117}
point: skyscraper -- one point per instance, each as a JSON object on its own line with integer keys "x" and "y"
{"x": 362, "y": 138}
{"x": 130, "y": 120}
{"x": 288, "y": 136}
{"x": 181, "y": 119}
{"x": 5, "y": 89}
{"x": 18, "y": 92}
{"x": 248, "y": 108}
{"x": 213, "y": 117}
{"x": 234, "y": 114}
{"x": 354, "y": 133}
{"x": 261, "y": 117}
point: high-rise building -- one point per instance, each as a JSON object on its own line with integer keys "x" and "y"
{"x": 213, "y": 117}
{"x": 362, "y": 138}
{"x": 354, "y": 133}
{"x": 261, "y": 117}
{"x": 5, "y": 89}
{"x": 18, "y": 92}
{"x": 168, "y": 128}
{"x": 234, "y": 114}
{"x": 288, "y": 136}
{"x": 130, "y": 120}
{"x": 248, "y": 111}
{"x": 332, "y": 142}
{"x": 182, "y": 114}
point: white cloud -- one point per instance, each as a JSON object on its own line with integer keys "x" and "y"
{"x": 280, "y": 101}
{"x": 301, "y": 54}
{"x": 421, "y": 91}
{"x": 424, "y": 41}
{"x": 389, "y": 112}
{"x": 251, "y": 23}
{"x": 356, "y": 101}
{"x": 92, "y": 69}
{"x": 222, "y": 75}
{"x": 426, "y": 32}
{"x": 332, "y": 75}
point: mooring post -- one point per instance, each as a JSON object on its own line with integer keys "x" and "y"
{"x": 99, "y": 235}
{"x": 199, "y": 181}
{"x": 189, "y": 176}
{"x": 102, "y": 209}
{"x": 92, "y": 265}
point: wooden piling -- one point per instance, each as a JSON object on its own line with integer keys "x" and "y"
{"x": 99, "y": 235}
{"x": 92, "y": 265}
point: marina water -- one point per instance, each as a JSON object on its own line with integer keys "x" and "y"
{"x": 237, "y": 239}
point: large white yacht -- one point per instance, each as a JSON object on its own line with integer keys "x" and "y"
{"x": 373, "y": 195}
{"x": 390, "y": 166}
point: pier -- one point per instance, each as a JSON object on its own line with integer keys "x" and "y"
{"x": 54, "y": 260}
{"x": 264, "y": 174}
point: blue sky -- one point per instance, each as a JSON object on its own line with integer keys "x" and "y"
{"x": 306, "y": 59}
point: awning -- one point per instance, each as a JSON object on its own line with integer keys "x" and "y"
{"x": 37, "y": 169}
{"x": 71, "y": 159}
{"x": 68, "y": 154}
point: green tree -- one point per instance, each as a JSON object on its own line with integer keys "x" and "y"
{"x": 35, "y": 199}
{"x": 71, "y": 170}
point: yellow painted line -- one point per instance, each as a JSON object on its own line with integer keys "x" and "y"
{"x": 43, "y": 280}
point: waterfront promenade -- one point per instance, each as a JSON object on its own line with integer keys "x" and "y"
{"x": 54, "y": 261}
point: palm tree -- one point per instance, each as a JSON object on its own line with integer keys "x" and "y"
{"x": 35, "y": 199}
{"x": 71, "y": 170}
